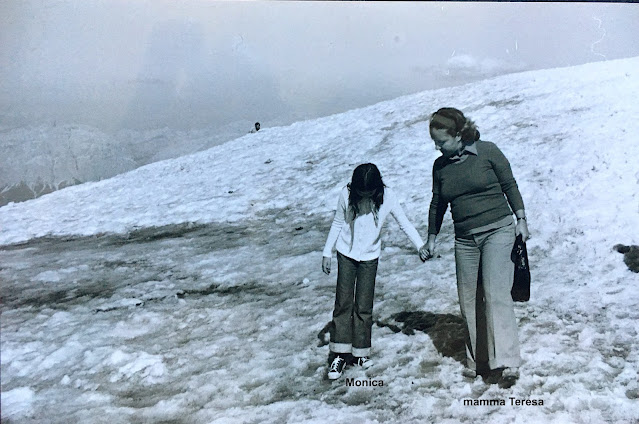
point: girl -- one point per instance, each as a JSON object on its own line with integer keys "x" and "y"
{"x": 475, "y": 178}
{"x": 361, "y": 211}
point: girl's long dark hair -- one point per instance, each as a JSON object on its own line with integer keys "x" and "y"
{"x": 366, "y": 177}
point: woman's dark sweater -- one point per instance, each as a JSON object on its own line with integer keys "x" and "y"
{"x": 475, "y": 189}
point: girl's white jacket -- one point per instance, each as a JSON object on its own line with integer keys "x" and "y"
{"x": 361, "y": 239}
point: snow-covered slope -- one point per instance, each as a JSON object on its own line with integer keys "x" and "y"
{"x": 569, "y": 134}
{"x": 239, "y": 344}
{"x": 39, "y": 159}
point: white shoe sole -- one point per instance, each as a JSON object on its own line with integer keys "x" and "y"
{"x": 468, "y": 373}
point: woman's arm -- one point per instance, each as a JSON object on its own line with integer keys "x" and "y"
{"x": 437, "y": 208}
{"x": 436, "y": 214}
{"x": 504, "y": 174}
{"x": 522, "y": 225}
{"x": 509, "y": 187}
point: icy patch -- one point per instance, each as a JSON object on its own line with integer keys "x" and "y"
{"x": 17, "y": 403}
{"x": 48, "y": 277}
{"x": 148, "y": 369}
{"x": 60, "y": 356}
{"x": 139, "y": 325}
{"x": 119, "y": 304}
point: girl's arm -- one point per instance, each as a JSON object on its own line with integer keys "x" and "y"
{"x": 336, "y": 226}
{"x": 407, "y": 227}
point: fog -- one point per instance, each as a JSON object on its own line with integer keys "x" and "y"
{"x": 186, "y": 65}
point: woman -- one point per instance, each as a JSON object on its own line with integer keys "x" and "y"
{"x": 362, "y": 208}
{"x": 473, "y": 176}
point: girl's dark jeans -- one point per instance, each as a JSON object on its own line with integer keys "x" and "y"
{"x": 353, "y": 313}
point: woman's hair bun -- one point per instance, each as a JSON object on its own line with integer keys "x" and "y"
{"x": 469, "y": 132}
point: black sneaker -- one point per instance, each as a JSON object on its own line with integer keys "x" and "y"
{"x": 363, "y": 361}
{"x": 348, "y": 357}
{"x": 337, "y": 368}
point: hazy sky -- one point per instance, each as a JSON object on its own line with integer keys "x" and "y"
{"x": 188, "y": 64}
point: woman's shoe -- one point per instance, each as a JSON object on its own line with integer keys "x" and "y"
{"x": 510, "y": 373}
{"x": 509, "y": 377}
{"x": 469, "y": 373}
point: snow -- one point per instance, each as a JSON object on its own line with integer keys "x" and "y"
{"x": 190, "y": 290}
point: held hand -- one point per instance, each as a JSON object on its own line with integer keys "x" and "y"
{"x": 431, "y": 246}
{"x": 427, "y": 251}
{"x": 326, "y": 265}
{"x": 522, "y": 228}
{"x": 423, "y": 253}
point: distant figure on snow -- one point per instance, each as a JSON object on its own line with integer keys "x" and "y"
{"x": 475, "y": 178}
{"x": 362, "y": 208}
{"x": 256, "y": 129}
